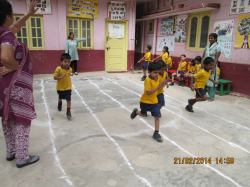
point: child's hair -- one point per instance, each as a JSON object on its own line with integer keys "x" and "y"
{"x": 65, "y": 56}
{"x": 149, "y": 47}
{"x": 166, "y": 48}
{"x": 184, "y": 55}
{"x": 198, "y": 58}
{"x": 218, "y": 64}
{"x": 192, "y": 62}
{"x": 70, "y": 34}
{"x": 153, "y": 66}
{"x": 208, "y": 60}
{"x": 161, "y": 63}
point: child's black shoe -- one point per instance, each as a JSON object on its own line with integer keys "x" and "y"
{"x": 59, "y": 107}
{"x": 143, "y": 78}
{"x": 189, "y": 109}
{"x": 183, "y": 84}
{"x": 191, "y": 103}
{"x": 68, "y": 114}
{"x": 157, "y": 137}
{"x": 133, "y": 114}
{"x": 171, "y": 84}
{"x": 180, "y": 83}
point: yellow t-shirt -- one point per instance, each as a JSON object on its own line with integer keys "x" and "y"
{"x": 192, "y": 69}
{"x": 150, "y": 84}
{"x": 201, "y": 78}
{"x": 164, "y": 56}
{"x": 183, "y": 64}
{"x": 64, "y": 83}
{"x": 170, "y": 62}
{"x": 218, "y": 70}
{"x": 198, "y": 66}
{"x": 148, "y": 55}
{"x": 161, "y": 79}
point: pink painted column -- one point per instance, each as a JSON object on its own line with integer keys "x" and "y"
{"x": 155, "y": 37}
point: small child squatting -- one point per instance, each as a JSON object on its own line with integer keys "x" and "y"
{"x": 147, "y": 60}
{"x": 64, "y": 85}
{"x": 201, "y": 79}
{"x": 149, "y": 101}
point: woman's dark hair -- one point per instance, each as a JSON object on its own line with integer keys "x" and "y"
{"x": 166, "y": 48}
{"x": 153, "y": 66}
{"x": 208, "y": 60}
{"x": 149, "y": 47}
{"x": 5, "y": 10}
{"x": 198, "y": 58}
{"x": 218, "y": 64}
{"x": 65, "y": 56}
{"x": 192, "y": 61}
{"x": 161, "y": 63}
{"x": 214, "y": 35}
{"x": 70, "y": 34}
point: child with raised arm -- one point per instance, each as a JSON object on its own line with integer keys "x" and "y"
{"x": 164, "y": 55}
{"x": 147, "y": 60}
{"x": 201, "y": 79}
{"x": 149, "y": 101}
{"x": 62, "y": 75}
{"x": 163, "y": 76}
{"x": 180, "y": 71}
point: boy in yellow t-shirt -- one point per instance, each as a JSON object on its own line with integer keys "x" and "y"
{"x": 149, "y": 101}
{"x": 201, "y": 79}
{"x": 147, "y": 58}
{"x": 198, "y": 63}
{"x": 180, "y": 71}
{"x": 163, "y": 76}
{"x": 191, "y": 69}
{"x": 164, "y": 56}
{"x": 62, "y": 75}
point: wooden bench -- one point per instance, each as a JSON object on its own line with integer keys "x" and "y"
{"x": 223, "y": 82}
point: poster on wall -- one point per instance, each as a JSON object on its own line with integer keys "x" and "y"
{"x": 165, "y": 41}
{"x": 224, "y": 29}
{"x": 83, "y": 9}
{"x": 239, "y": 6}
{"x": 116, "y": 30}
{"x": 44, "y": 6}
{"x": 243, "y": 32}
{"x": 180, "y": 31}
{"x": 118, "y": 11}
{"x": 167, "y": 26}
{"x": 110, "y": 9}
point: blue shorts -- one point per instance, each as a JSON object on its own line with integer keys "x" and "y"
{"x": 66, "y": 94}
{"x": 145, "y": 65}
{"x": 181, "y": 72}
{"x": 200, "y": 92}
{"x": 161, "y": 99}
{"x": 153, "y": 108}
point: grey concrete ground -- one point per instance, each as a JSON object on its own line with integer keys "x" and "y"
{"x": 101, "y": 146}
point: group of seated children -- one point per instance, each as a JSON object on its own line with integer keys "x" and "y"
{"x": 147, "y": 59}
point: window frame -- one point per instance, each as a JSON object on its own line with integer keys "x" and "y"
{"x": 29, "y": 31}
{"x": 79, "y": 20}
{"x": 199, "y": 15}
{"x": 151, "y": 31}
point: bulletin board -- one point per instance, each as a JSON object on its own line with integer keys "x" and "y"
{"x": 44, "y": 6}
{"x": 83, "y": 9}
{"x": 239, "y": 6}
{"x": 165, "y": 41}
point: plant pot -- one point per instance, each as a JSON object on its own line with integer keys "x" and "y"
{"x": 180, "y": 5}
{"x": 172, "y": 7}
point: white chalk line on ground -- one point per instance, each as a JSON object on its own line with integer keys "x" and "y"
{"x": 52, "y": 137}
{"x": 230, "y": 143}
{"x": 143, "y": 180}
{"x": 165, "y": 137}
{"x": 198, "y": 108}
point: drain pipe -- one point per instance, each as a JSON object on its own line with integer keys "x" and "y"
{"x": 132, "y": 31}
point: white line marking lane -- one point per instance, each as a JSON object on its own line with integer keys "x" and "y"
{"x": 166, "y": 138}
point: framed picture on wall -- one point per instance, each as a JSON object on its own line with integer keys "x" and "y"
{"x": 120, "y": 10}
{"x": 44, "y": 6}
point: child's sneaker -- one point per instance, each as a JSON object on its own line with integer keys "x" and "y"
{"x": 180, "y": 83}
{"x": 190, "y": 103}
{"x": 59, "y": 107}
{"x": 189, "y": 109}
{"x": 68, "y": 114}
{"x": 183, "y": 84}
{"x": 133, "y": 114}
{"x": 157, "y": 137}
{"x": 171, "y": 84}
{"x": 143, "y": 78}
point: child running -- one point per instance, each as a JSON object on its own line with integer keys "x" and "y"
{"x": 180, "y": 71}
{"x": 62, "y": 75}
{"x": 164, "y": 55}
{"x": 163, "y": 76}
{"x": 201, "y": 79}
{"x": 149, "y": 101}
{"x": 147, "y": 60}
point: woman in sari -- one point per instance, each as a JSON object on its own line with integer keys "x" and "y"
{"x": 212, "y": 50}
{"x": 16, "y": 93}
